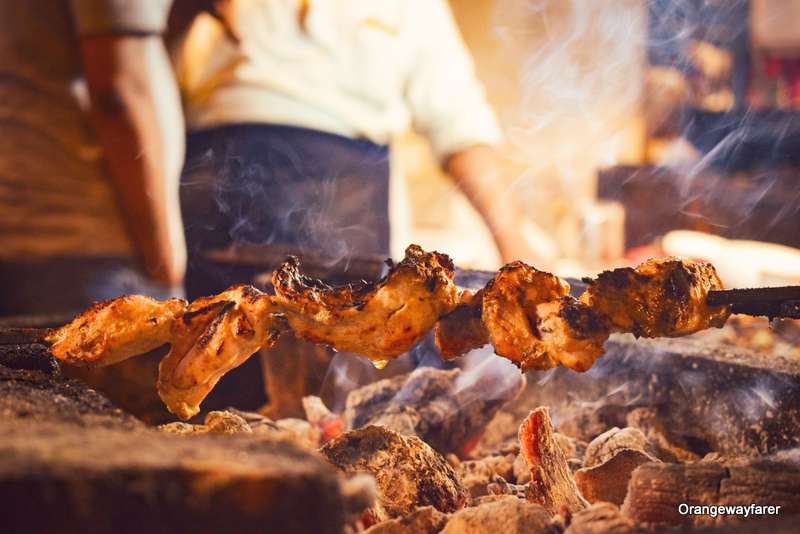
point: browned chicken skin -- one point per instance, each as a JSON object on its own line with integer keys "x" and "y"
{"x": 659, "y": 298}
{"x": 215, "y": 335}
{"x": 114, "y": 330}
{"x": 381, "y": 320}
{"x": 529, "y": 318}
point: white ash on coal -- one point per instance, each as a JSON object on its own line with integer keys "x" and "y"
{"x": 409, "y": 474}
{"x": 600, "y": 518}
{"x": 424, "y": 520}
{"x": 657, "y": 490}
{"x": 505, "y": 514}
{"x": 608, "y": 463}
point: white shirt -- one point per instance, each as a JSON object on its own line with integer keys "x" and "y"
{"x": 361, "y": 69}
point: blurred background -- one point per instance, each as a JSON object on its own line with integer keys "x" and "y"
{"x": 629, "y": 121}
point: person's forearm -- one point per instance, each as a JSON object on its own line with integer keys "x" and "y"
{"x": 479, "y": 174}
{"x": 136, "y": 110}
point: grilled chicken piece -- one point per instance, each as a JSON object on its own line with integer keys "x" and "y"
{"x": 380, "y": 320}
{"x": 532, "y": 320}
{"x": 462, "y": 329}
{"x": 573, "y": 332}
{"x": 215, "y": 335}
{"x": 114, "y": 330}
{"x": 658, "y": 298}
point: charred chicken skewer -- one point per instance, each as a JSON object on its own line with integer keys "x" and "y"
{"x": 530, "y": 319}
{"x": 215, "y": 334}
{"x": 659, "y": 298}
{"x": 526, "y": 314}
{"x": 380, "y": 320}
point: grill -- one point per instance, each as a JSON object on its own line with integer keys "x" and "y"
{"x": 654, "y": 424}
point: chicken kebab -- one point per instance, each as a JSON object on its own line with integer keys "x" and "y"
{"x": 527, "y": 315}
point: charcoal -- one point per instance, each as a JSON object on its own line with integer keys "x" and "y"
{"x": 608, "y": 463}
{"x": 600, "y": 518}
{"x": 500, "y": 486}
{"x": 506, "y": 514}
{"x": 608, "y": 481}
{"x": 31, "y": 357}
{"x": 425, "y": 520}
{"x": 667, "y": 447}
{"x": 453, "y": 460}
{"x": 717, "y": 397}
{"x": 783, "y": 524}
{"x": 476, "y": 475}
{"x": 608, "y": 444}
{"x": 573, "y": 450}
{"x": 215, "y": 423}
{"x": 520, "y": 470}
{"x": 325, "y": 423}
{"x": 291, "y": 370}
{"x": 551, "y": 484}
{"x": 298, "y": 430}
{"x": 657, "y": 489}
{"x": 44, "y": 397}
{"x": 585, "y": 423}
{"x": 448, "y": 409}
{"x": 409, "y": 474}
{"x": 71, "y": 462}
{"x": 232, "y": 421}
{"x": 499, "y": 437}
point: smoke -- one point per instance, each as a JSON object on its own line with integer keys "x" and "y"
{"x": 263, "y": 185}
{"x": 579, "y": 87}
{"x": 497, "y": 376}
{"x": 484, "y": 376}
{"x": 348, "y": 372}
{"x": 595, "y": 83}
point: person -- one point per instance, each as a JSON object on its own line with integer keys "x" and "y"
{"x": 291, "y": 106}
{"x": 91, "y": 147}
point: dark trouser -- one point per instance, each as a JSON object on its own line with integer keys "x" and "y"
{"x": 266, "y": 184}
{"x": 65, "y": 285}
{"x": 262, "y": 184}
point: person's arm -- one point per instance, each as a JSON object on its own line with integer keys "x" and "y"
{"x": 137, "y": 112}
{"x": 479, "y": 174}
{"x": 449, "y": 107}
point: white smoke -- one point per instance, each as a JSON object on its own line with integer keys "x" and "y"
{"x": 579, "y": 84}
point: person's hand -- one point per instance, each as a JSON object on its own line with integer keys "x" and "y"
{"x": 521, "y": 239}
{"x": 482, "y": 177}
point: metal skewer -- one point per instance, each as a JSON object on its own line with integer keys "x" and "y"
{"x": 770, "y": 302}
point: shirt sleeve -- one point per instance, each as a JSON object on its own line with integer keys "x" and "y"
{"x": 447, "y": 101}
{"x": 95, "y": 17}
